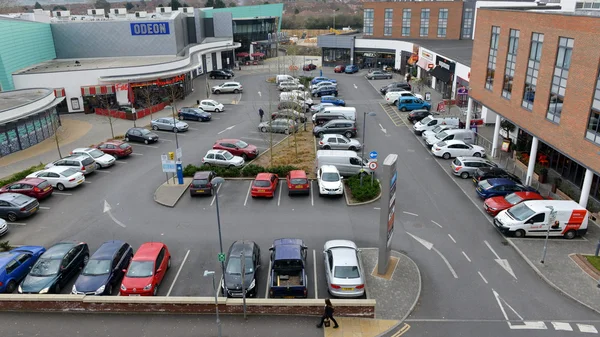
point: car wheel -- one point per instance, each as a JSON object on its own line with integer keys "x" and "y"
{"x": 230, "y": 166}
{"x": 236, "y": 91}
{"x": 218, "y": 92}
{"x": 244, "y": 156}
{"x": 217, "y": 110}
{"x": 396, "y": 102}
{"x": 199, "y": 119}
{"x": 175, "y": 130}
{"x": 206, "y": 164}
{"x": 126, "y": 138}
{"x": 519, "y": 233}
{"x": 146, "y": 141}
{"x": 57, "y": 288}
{"x": 169, "y": 263}
{"x": 403, "y": 109}
{"x": 476, "y": 154}
{"x": 98, "y": 166}
{"x": 446, "y": 155}
{"x": 464, "y": 175}
{"x": 286, "y": 131}
{"x": 10, "y": 287}
{"x": 263, "y": 129}
{"x": 352, "y": 148}
{"x": 12, "y": 217}
{"x": 213, "y": 77}
{"x": 180, "y": 117}
{"x": 154, "y": 127}
{"x": 320, "y": 134}
{"x": 326, "y": 147}
{"x": 348, "y": 134}
{"x": 570, "y": 235}
{"x": 60, "y": 187}
{"x": 155, "y": 290}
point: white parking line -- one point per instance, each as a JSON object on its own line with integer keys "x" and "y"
{"x": 179, "y": 271}
{"x": 451, "y": 238}
{"x": 312, "y": 199}
{"x": 85, "y": 182}
{"x": 247, "y": 194}
{"x": 315, "y": 272}
{"x": 268, "y": 280}
{"x": 137, "y": 154}
{"x": 214, "y": 197}
{"x": 259, "y": 139}
{"x": 279, "y": 196}
{"x": 121, "y": 161}
{"x": 466, "y": 256}
{"x": 165, "y": 140}
{"x": 61, "y": 193}
{"x": 152, "y": 146}
{"x": 483, "y": 278}
{"x": 409, "y": 213}
{"x": 437, "y": 224}
{"x": 104, "y": 171}
{"x": 170, "y": 133}
{"x": 194, "y": 128}
{"x": 43, "y": 207}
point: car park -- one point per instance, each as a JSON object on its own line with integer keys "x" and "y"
{"x": 324, "y": 117}
{"x": 264, "y": 185}
{"x": 338, "y": 142}
{"x": 146, "y": 270}
{"x": 466, "y": 166}
{"x": 351, "y": 69}
{"x": 227, "y": 87}
{"x": 231, "y": 284}
{"x": 467, "y": 136}
{"x": 289, "y": 86}
{"x": 210, "y": 105}
{"x": 104, "y": 270}
{"x": 343, "y": 269}
{"x": 85, "y": 164}
{"x": 3, "y": 227}
{"x": 219, "y": 74}
{"x": 55, "y": 267}
{"x": 495, "y": 205}
{"x": 378, "y": 74}
{"x": 339, "y": 68}
{"x": 338, "y": 126}
{"x": 102, "y": 159}
{"x": 169, "y": 124}
{"x": 323, "y": 84}
{"x": 403, "y": 85}
{"x": 222, "y": 158}
{"x": 141, "y": 135}
{"x": 289, "y": 114}
{"x": 484, "y": 173}
{"x": 408, "y": 103}
{"x": 329, "y": 181}
{"x": 319, "y": 107}
{"x": 237, "y": 147}
{"x": 417, "y": 115}
{"x": 194, "y": 114}
{"x": 391, "y": 97}
{"x": 285, "y": 126}
{"x": 309, "y": 67}
{"x": 15, "y": 264}
{"x": 202, "y": 183}
{"x": 32, "y": 187}
{"x": 333, "y": 100}
{"x": 115, "y": 148}
{"x": 456, "y": 148}
{"x": 297, "y": 182}
{"x": 322, "y": 79}
{"x": 14, "y": 206}
{"x": 500, "y": 186}
{"x": 60, "y": 177}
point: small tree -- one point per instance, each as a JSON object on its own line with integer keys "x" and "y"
{"x": 146, "y": 99}
{"x": 38, "y": 6}
{"x": 220, "y": 4}
{"x": 59, "y": 8}
{"x": 104, "y": 103}
{"x": 209, "y": 3}
{"x": 507, "y": 126}
{"x": 296, "y": 11}
{"x": 102, "y": 4}
{"x": 129, "y": 6}
{"x": 175, "y": 4}
{"x": 233, "y": 4}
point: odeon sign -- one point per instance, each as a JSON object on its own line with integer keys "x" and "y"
{"x": 149, "y": 28}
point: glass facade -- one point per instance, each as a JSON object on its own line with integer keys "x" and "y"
{"x": 559, "y": 79}
{"x": 335, "y": 56}
{"x": 368, "y": 21}
{"x": 467, "y": 28}
{"x": 374, "y": 59}
{"x": 248, "y": 31}
{"x": 442, "y": 22}
{"x": 387, "y": 23}
{"x": 491, "y": 66}
{"x": 424, "y": 29}
{"x": 26, "y": 132}
{"x": 533, "y": 68}
{"x": 593, "y": 128}
{"x": 406, "y": 14}
{"x": 511, "y": 59}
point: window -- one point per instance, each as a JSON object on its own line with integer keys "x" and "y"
{"x": 511, "y": 59}
{"x": 368, "y": 21}
{"x": 424, "y": 31}
{"x": 533, "y": 68}
{"x": 442, "y": 22}
{"x": 593, "y": 128}
{"x": 406, "y": 14}
{"x": 387, "y": 23}
{"x": 559, "y": 79}
{"x": 491, "y": 66}
{"x": 467, "y": 29}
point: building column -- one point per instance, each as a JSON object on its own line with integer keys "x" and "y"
{"x": 419, "y": 73}
{"x": 469, "y": 111}
{"x": 585, "y": 189}
{"x": 495, "y": 135}
{"x": 433, "y": 80}
{"x": 219, "y": 61}
{"x": 532, "y": 158}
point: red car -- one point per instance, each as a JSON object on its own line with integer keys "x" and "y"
{"x": 116, "y": 148}
{"x": 494, "y": 205}
{"x": 309, "y": 67}
{"x": 237, "y": 148}
{"x": 339, "y": 69}
{"x": 146, "y": 270}
{"x": 264, "y": 185}
{"x": 297, "y": 182}
{"x": 32, "y": 187}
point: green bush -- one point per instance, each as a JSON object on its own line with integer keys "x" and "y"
{"x": 252, "y": 170}
{"x": 5, "y": 246}
{"x": 21, "y": 175}
{"x": 365, "y": 192}
{"x": 247, "y": 171}
{"x": 281, "y": 171}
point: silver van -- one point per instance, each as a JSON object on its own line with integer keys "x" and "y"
{"x": 466, "y": 136}
{"x": 348, "y": 163}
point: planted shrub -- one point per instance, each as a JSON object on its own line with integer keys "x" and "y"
{"x": 247, "y": 171}
{"x": 21, "y": 175}
{"x": 366, "y": 191}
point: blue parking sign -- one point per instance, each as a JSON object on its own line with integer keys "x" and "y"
{"x": 373, "y": 155}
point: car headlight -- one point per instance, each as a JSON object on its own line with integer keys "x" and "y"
{"x": 123, "y": 287}
{"x": 74, "y": 290}
{"x": 20, "y": 290}
{"x": 492, "y": 208}
{"x": 45, "y": 290}
{"x": 251, "y": 286}
{"x": 99, "y": 291}
{"x": 148, "y": 287}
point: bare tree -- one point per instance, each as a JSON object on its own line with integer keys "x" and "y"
{"x": 147, "y": 95}
{"x": 54, "y": 125}
{"x": 174, "y": 92}
{"x": 6, "y": 5}
{"x": 105, "y": 103}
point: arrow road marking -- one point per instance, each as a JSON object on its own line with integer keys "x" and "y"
{"x": 430, "y": 246}
{"x": 259, "y": 94}
{"x": 526, "y": 325}
{"x": 107, "y": 209}
{"x": 227, "y": 129}
{"x": 355, "y": 87}
{"x": 502, "y": 262}
{"x": 382, "y": 129}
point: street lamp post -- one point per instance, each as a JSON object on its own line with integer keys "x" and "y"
{"x": 362, "y": 156}
{"x": 212, "y": 273}
{"x": 551, "y": 218}
{"x": 174, "y": 125}
{"x": 215, "y": 182}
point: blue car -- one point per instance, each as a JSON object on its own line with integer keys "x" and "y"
{"x": 194, "y": 114}
{"x": 322, "y": 79}
{"x": 333, "y": 100}
{"x": 104, "y": 270}
{"x": 500, "y": 187}
{"x": 15, "y": 265}
{"x": 351, "y": 69}
{"x": 410, "y": 103}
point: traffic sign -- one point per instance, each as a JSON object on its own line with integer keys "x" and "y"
{"x": 373, "y": 155}
{"x": 373, "y": 165}
{"x": 163, "y": 157}
{"x": 221, "y": 257}
{"x": 169, "y": 166}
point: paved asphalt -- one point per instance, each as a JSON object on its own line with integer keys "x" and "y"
{"x": 431, "y": 206}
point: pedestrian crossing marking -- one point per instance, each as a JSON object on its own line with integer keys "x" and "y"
{"x": 562, "y": 326}
{"x": 587, "y": 328}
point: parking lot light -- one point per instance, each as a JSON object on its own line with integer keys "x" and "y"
{"x": 212, "y": 273}
{"x": 215, "y": 182}
{"x": 174, "y": 124}
{"x": 362, "y": 156}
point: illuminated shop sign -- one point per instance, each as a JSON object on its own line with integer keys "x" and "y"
{"x": 149, "y": 28}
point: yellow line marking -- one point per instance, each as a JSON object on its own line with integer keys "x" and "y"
{"x": 402, "y": 330}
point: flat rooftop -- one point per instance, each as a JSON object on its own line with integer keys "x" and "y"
{"x": 13, "y": 99}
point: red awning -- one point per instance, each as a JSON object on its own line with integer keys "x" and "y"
{"x": 97, "y": 90}
{"x": 257, "y": 55}
{"x": 59, "y": 92}
{"x": 242, "y": 54}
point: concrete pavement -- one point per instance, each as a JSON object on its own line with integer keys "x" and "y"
{"x": 169, "y": 192}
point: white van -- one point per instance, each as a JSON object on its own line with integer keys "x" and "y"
{"x": 430, "y": 122}
{"x": 466, "y": 136}
{"x": 348, "y": 163}
{"x": 300, "y": 97}
{"x": 285, "y": 78}
{"x": 348, "y": 112}
{"x": 438, "y": 129}
{"x": 534, "y": 216}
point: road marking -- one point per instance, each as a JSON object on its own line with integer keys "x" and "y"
{"x": 561, "y": 326}
{"x": 62, "y": 193}
{"x": 500, "y": 300}
{"x": 165, "y": 140}
{"x": 451, "y": 238}
{"x": 194, "y": 128}
{"x": 154, "y": 147}
{"x": 107, "y": 209}
{"x": 17, "y": 223}
{"x": 137, "y": 154}
{"x": 355, "y": 87}
{"x": 409, "y": 213}
{"x": 402, "y": 330}
{"x": 587, "y": 328}
{"x": 528, "y": 325}
{"x": 483, "y": 278}
{"x": 85, "y": 182}
{"x": 218, "y": 117}
{"x": 248, "y": 193}
{"x": 502, "y": 262}
{"x": 442, "y": 320}
{"x": 437, "y": 224}
{"x": 268, "y": 280}
{"x": 378, "y": 208}
{"x": 179, "y": 271}
{"x": 121, "y": 161}
{"x": 42, "y": 207}
{"x": 226, "y": 129}
{"x": 215, "y": 196}
{"x": 312, "y": 193}
{"x": 382, "y": 129}
{"x": 279, "y": 196}
{"x": 103, "y": 171}
{"x": 259, "y": 94}
{"x": 466, "y": 256}
{"x": 259, "y": 139}
{"x": 430, "y": 246}
{"x": 315, "y": 272}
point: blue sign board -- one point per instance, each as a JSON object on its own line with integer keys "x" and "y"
{"x": 169, "y": 166}
{"x": 373, "y": 155}
{"x": 149, "y": 28}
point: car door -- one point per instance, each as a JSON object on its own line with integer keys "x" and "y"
{"x": 332, "y": 142}
{"x": 12, "y": 271}
{"x": 328, "y": 257}
{"x": 4, "y": 207}
{"x": 465, "y": 150}
{"x": 136, "y": 135}
{"x": 53, "y": 178}
{"x": 342, "y": 144}
{"x": 16, "y": 188}
{"x": 210, "y": 158}
{"x": 537, "y": 225}
{"x": 25, "y": 263}
{"x": 160, "y": 266}
{"x": 66, "y": 267}
{"x": 220, "y": 159}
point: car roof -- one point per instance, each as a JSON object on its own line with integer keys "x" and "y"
{"x": 501, "y": 181}
{"x": 344, "y": 256}
{"x": 201, "y": 174}
{"x": 5, "y": 257}
{"x": 34, "y": 181}
{"x": 264, "y": 176}
{"x": 57, "y": 169}
{"x": 139, "y": 129}
{"x": 287, "y": 248}
{"x": 75, "y": 157}
{"x": 12, "y": 196}
{"x": 241, "y": 246}
{"x": 114, "y": 142}
{"x": 216, "y": 151}
{"x": 227, "y": 140}
{"x": 454, "y": 141}
{"x": 107, "y": 250}
{"x": 238, "y": 83}
{"x": 531, "y": 195}
{"x": 329, "y": 168}
{"x": 341, "y": 120}
{"x": 208, "y": 100}
{"x": 148, "y": 251}
{"x": 479, "y": 159}
{"x": 332, "y": 134}
{"x": 59, "y": 250}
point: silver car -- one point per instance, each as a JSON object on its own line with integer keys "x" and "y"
{"x": 226, "y": 87}
{"x": 289, "y": 86}
{"x": 332, "y": 141}
{"x": 377, "y": 74}
{"x": 288, "y": 114}
{"x": 466, "y": 166}
{"x": 222, "y": 158}
{"x": 169, "y": 123}
{"x": 102, "y": 159}
{"x": 286, "y": 126}
{"x": 343, "y": 269}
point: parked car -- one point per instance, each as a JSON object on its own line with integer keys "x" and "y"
{"x": 329, "y": 181}
{"x": 231, "y": 285}
{"x": 15, "y": 206}
{"x": 170, "y": 124}
{"x": 484, "y": 173}
{"x": 227, "y": 87}
{"x": 412, "y": 103}
{"x": 222, "y": 158}
{"x": 194, "y": 114}
{"x": 15, "y": 264}
{"x": 202, "y": 183}
{"x": 297, "y": 182}
{"x": 351, "y": 69}
{"x": 323, "y": 83}
{"x": 289, "y": 114}
{"x": 403, "y": 85}
{"x": 466, "y": 166}
{"x": 211, "y": 105}
{"x": 495, "y": 205}
{"x": 323, "y": 117}
{"x": 322, "y": 79}
{"x": 141, "y": 135}
{"x": 289, "y": 86}
{"x": 55, "y": 268}
{"x": 32, "y": 187}
{"x": 85, "y": 164}
{"x": 219, "y": 74}
{"x": 102, "y": 159}
{"x": 391, "y": 97}
{"x": 438, "y": 129}
{"x": 264, "y": 185}
{"x": 324, "y": 90}
{"x": 309, "y": 67}
{"x": 115, "y": 148}
{"x": 500, "y": 186}
{"x": 3, "y": 227}
{"x": 237, "y": 147}
{"x": 319, "y": 107}
{"x": 338, "y": 126}
{"x": 104, "y": 270}
{"x": 288, "y": 269}
{"x": 338, "y": 142}
{"x": 456, "y": 148}
{"x": 60, "y": 177}
{"x": 146, "y": 270}
{"x": 285, "y": 126}
{"x": 339, "y": 68}
{"x": 417, "y": 115}
{"x": 378, "y": 74}
{"x": 229, "y": 71}
{"x": 333, "y": 100}
{"x": 343, "y": 269}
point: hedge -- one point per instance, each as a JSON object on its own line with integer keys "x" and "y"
{"x": 21, "y": 175}
{"x": 365, "y": 192}
{"x": 246, "y": 171}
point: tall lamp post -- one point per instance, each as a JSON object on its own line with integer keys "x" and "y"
{"x": 212, "y": 273}
{"x": 551, "y": 218}
{"x": 174, "y": 125}
{"x": 362, "y": 155}
{"x": 215, "y": 182}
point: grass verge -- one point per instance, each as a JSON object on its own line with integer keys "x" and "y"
{"x": 594, "y": 261}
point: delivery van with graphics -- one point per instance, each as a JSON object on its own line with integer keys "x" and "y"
{"x": 565, "y": 218}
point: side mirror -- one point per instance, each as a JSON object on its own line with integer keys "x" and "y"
{"x": 271, "y": 249}
{"x": 158, "y": 270}
{"x": 124, "y": 270}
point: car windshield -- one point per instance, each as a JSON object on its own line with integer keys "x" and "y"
{"x": 144, "y": 132}
{"x": 513, "y": 198}
{"x": 227, "y": 155}
{"x": 330, "y": 176}
{"x": 441, "y": 135}
{"x": 45, "y": 267}
{"x": 140, "y": 269}
{"x": 97, "y": 267}
{"x": 234, "y": 266}
{"x": 299, "y": 181}
{"x": 69, "y": 172}
{"x": 437, "y": 129}
{"x": 426, "y": 120}
{"x": 485, "y": 185}
{"x": 96, "y": 153}
{"x": 346, "y": 272}
{"x": 262, "y": 183}
{"x": 241, "y": 144}
{"x": 521, "y": 212}
{"x": 21, "y": 199}
{"x": 124, "y": 146}
{"x": 199, "y": 182}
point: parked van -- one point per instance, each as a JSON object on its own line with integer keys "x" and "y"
{"x": 565, "y": 218}
{"x": 430, "y": 122}
{"x": 408, "y": 103}
{"x": 349, "y": 163}
{"x": 285, "y": 78}
{"x": 466, "y": 136}
{"x": 348, "y": 112}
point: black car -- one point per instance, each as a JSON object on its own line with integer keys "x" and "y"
{"x": 324, "y": 117}
{"x": 403, "y": 85}
{"x": 309, "y": 67}
{"x": 53, "y": 270}
{"x": 232, "y": 282}
{"x": 229, "y": 71}
{"x": 141, "y": 135}
{"x": 325, "y": 90}
{"x": 219, "y": 74}
{"x": 416, "y": 115}
{"x": 201, "y": 184}
{"x": 104, "y": 270}
{"x": 484, "y": 173}
{"x": 194, "y": 114}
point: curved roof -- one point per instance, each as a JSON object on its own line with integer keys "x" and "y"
{"x": 17, "y": 104}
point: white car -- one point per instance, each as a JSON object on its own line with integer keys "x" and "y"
{"x": 102, "y": 159}
{"x": 3, "y": 227}
{"x": 319, "y": 107}
{"x": 226, "y": 87}
{"x": 392, "y": 97}
{"x": 329, "y": 181}
{"x": 289, "y": 86}
{"x": 437, "y": 129}
{"x": 211, "y": 105}
{"x": 222, "y": 158}
{"x": 320, "y": 84}
{"x": 456, "y": 148}
{"x": 60, "y": 177}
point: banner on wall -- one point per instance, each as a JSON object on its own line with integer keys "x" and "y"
{"x": 414, "y": 57}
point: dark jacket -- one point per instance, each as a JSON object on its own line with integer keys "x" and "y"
{"x": 261, "y": 112}
{"x": 328, "y": 311}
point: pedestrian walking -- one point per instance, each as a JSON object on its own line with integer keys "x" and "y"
{"x": 328, "y": 315}
{"x": 261, "y": 113}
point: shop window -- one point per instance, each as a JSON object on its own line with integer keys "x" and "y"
{"x": 467, "y": 28}
{"x": 511, "y": 59}
{"x": 559, "y": 79}
{"x": 387, "y": 24}
{"x": 406, "y": 15}
{"x": 368, "y": 21}
{"x": 443, "y": 22}
{"x": 493, "y": 54}
{"x": 533, "y": 68}
{"x": 424, "y": 29}
{"x": 593, "y": 127}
